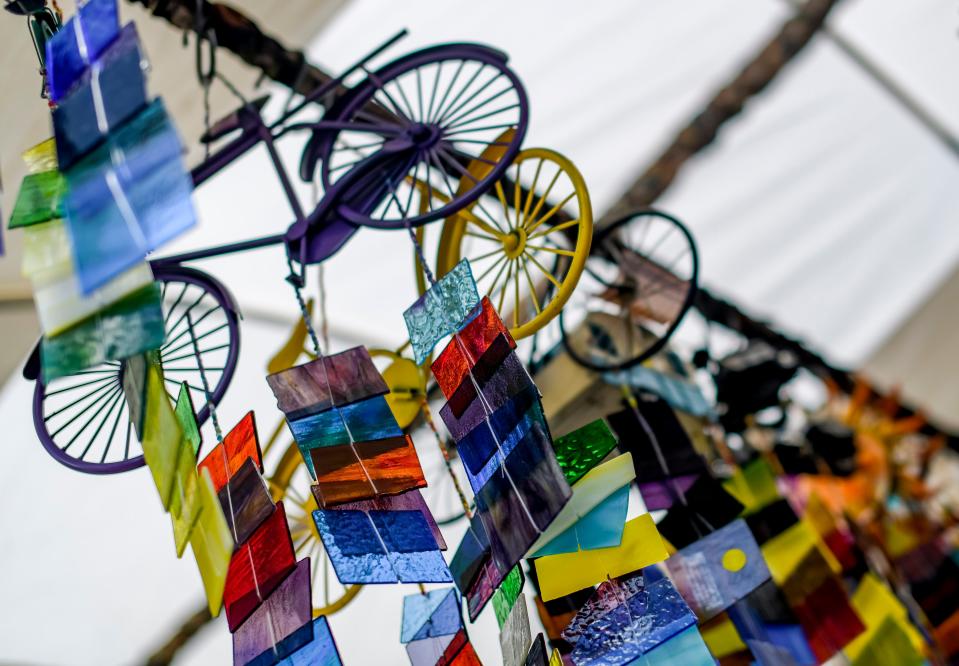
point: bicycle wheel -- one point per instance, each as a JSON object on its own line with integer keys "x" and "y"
{"x": 450, "y": 104}
{"x": 537, "y": 240}
{"x": 291, "y": 484}
{"x": 83, "y": 421}
{"x": 638, "y": 285}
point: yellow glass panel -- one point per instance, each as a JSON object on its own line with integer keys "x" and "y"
{"x": 555, "y": 659}
{"x": 887, "y": 643}
{"x": 784, "y": 552}
{"x": 185, "y": 506}
{"x": 566, "y": 573}
{"x": 162, "y": 435}
{"x": 41, "y": 157}
{"x": 212, "y": 543}
{"x": 722, "y": 639}
{"x": 874, "y": 603}
{"x": 754, "y": 485}
{"x": 819, "y": 516}
{"x": 594, "y": 487}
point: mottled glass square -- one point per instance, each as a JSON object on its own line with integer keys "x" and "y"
{"x": 584, "y": 448}
{"x": 162, "y": 436}
{"x": 509, "y": 380}
{"x": 515, "y": 636}
{"x": 335, "y": 380}
{"x": 105, "y": 96}
{"x": 281, "y": 625}
{"x": 470, "y": 555}
{"x": 718, "y": 570}
{"x": 40, "y": 199}
{"x": 321, "y": 651}
{"x": 257, "y": 567}
{"x": 430, "y": 614}
{"x": 411, "y": 500}
{"x": 489, "y": 364}
{"x": 128, "y": 327}
{"x": 537, "y": 655}
{"x": 365, "y": 470}
{"x": 127, "y": 197}
{"x": 468, "y": 346}
{"x": 429, "y": 651}
{"x": 483, "y": 586}
{"x": 499, "y": 432}
{"x": 361, "y": 421}
{"x": 507, "y": 593}
{"x": 185, "y": 503}
{"x": 79, "y": 43}
{"x": 246, "y": 501}
{"x": 226, "y": 458}
{"x": 444, "y": 309}
{"x": 186, "y": 415}
{"x": 47, "y": 253}
{"x": 212, "y": 543}
{"x": 521, "y": 499}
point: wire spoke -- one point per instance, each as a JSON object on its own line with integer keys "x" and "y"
{"x": 552, "y": 211}
{"x": 441, "y": 115}
{"x": 492, "y": 288}
{"x": 175, "y": 303}
{"x": 547, "y": 273}
{"x": 502, "y": 294}
{"x": 531, "y": 193}
{"x": 194, "y": 354}
{"x": 113, "y": 431}
{"x": 165, "y": 351}
{"x": 478, "y": 129}
{"x": 104, "y": 399}
{"x": 103, "y": 421}
{"x": 108, "y": 378}
{"x": 449, "y": 88}
{"x": 516, "y": 295}
{"x": 532, "y": 289}
{"x": 556, "y": 227}
{"x": 447, "y": 118}
{"x": 98, "y": 392}
{"x": 491, "y": 267}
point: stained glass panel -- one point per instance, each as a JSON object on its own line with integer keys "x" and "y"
{"x": 79, "y": 42}
{"x": 365, "y": 470}
{"x": 445, "y": 308}
{"x": 581, "y": 450}
{"x": 212, "y": 543}
{"x": 321, "y": 651}
{"x": 226, "y": 458}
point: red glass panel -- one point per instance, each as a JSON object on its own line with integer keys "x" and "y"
{"x": 227, "y": 457}
{"x": 452, "y": 365}
{"x": 828, "y": 619}
{"x": 257, "y": 567}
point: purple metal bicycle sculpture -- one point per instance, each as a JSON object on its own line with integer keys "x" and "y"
{"x": 409, "y": 126}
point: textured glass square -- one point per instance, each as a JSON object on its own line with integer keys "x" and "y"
{"x": 246, "y": 501}
{"x": 563, "y": 574}
{"x": 624, "y": 621}
{"x": 127, "y": 197}
{"x": 602, "y": 527}
{"x": 581, "y": 450}
{"x": 460, "y": 653}
{"x": 429, "y": 651}
{"x": 515, "y": 637}
{"x": 468, "y": 346}
{"x": 499, "y": 432}
{"x": 537, "y": 655}
{"x": 162, "y": 435}
{"x": 483, "y": 586}
{"x": 594, "y": 487}
{"x": 336, "y": 380}
{"x": 78, "y": 43}
{"x": 556, "y": 614}
{"x": 430, "y": 614}
{"x": 442, "y": 310}
{"x": 521, "y": 499}
{"x": 470, "y": 555}
{"x": 708, "y": 507}
{"x": 40, "y": 199}
{"x": 212, "y": 543}
{"x": 411, "y": 500}
{"x": 365, "y": 470}
{"x": 659, "y": 495}
{"x": 675, "y": 445}
{"x": 60, "y": 303}
{"x": 486, "y": 367}
{"x": 41, "y": 157}
{"x": 186, "y": 415}
{"x": 361, "y": 421}
{"x": 257, "y": 568}
{"x": 683, "y": 396}
{"x": 509, "y": 380}
{"x": 47, "y": 253}
{"x": 718, "y": 570}
{"x": 226, "y": 458}
{"x": 105, "y": 96}
{"x": 128, "y": 327}
{"x": 507, "y": 593}
{"x": 321, "y": 651}
{"x": 185, "y": 503}
{"x": 281, "y": 625}
{"x": 366, "y": 548}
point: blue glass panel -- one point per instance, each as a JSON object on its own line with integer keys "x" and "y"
{"x": 107, "y": 95}
{"x": 354, "y": 532}
{"x": 434, "y": 613}
{"x": 480, "y": 443}
{"x": 78, "y": 43}
{"x": 403, "y": 531}
{"x": 600, "y": 528}
{"x": 686, "y": 648}
{"x": 470, "y": 555}
{"x": 719, "y": 569}
{"x": 321, "y": 651}
{"x": 443, "y": 309}
{"x": 350, "y": 565}
{"x": 421, "y": 567}
{"x": 791, "y": 638}
{"x": 365, "y": 420}
{"x": 508, "y": 438}
{"x": 127, "y": 197}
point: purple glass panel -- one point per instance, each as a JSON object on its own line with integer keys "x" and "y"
{"x": 659, "y": 495}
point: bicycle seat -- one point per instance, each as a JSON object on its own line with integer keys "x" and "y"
{"x": 245, "y": 117}
{"x": 25, "y": 7}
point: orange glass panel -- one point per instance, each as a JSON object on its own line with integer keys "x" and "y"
{"x": 227, "y": 457}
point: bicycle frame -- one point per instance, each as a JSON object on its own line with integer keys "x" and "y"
{"x": 255, "y": 131}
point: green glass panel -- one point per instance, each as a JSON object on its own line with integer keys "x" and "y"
{"x": 186, "y": 415}
{"x": 505, "y": 596}
{"x": 581, "y": 450}
{"x": 40, "y": 199}
{"x": 132, "y": 325}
